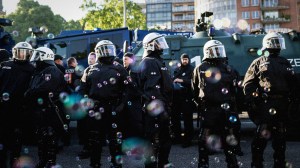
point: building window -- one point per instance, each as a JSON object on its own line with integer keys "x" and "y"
{"x": 256, "y": 26}
{"x": 254, "y": 2}
{"x": 245, "y": 15}
{"x": 255, "y": 15}
{"x": 245, "y": 3}
{"x": 270, "y": 3}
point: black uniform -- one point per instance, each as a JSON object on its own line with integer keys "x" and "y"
{"x": 105, "y": 84}
{"x": 43, "y": 92}
{"x": 213, "y": 84}
{"x": 183, "y": 104}
{"x": 156, "y": 84}
{"x": 133, "y": 108}
{"x": 267, "y": 85}
{"x": 14, "y": 81}
{"x": 72, "y": 78}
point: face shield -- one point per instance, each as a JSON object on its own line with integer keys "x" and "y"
{"x": 217, "y": 52}
{"x": 277, "y": 43}
{"x": 36, "y": 56}
{"x": 106, "y": 51}
{"x": 161, "y": 43}
{"x": 22, "y": 54}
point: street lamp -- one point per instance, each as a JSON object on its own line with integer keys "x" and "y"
{"x": 124, "y": 13}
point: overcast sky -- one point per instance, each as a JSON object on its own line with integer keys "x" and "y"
{"x": 68, "y": 9}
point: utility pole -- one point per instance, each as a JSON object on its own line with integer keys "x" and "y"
{"x": 124, "y": 14}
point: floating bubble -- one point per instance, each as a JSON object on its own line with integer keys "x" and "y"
{"x": 63, "y": 97}
{"x": 118, "y": 74}
{"x": 129, "y": 79}
{"x": 66, "y": 127}
{"x": 5, "y": 96}
{"x": 98, "y": 116}
{"x": 267, "y": 89}
{"x": 255, "y": 94}
{"x": 232, "y": 119}
{"x": 99, "y": 85}
{"x": 152, "y": 158}
{"x": 125, "y": 82}
{"x": 240, "y": 83}
{"x": 101, "y": 110}
{"x": 68, "y": 117}
{"x": 109, "y": 158}
{"x": 169, "y": 165}
{"x": 77, "y": 158}
{"x": 153, "y": 97}
{"x": 119, "y": 141}
{"x": 44, "y": 29}
{"x": 213, "y": 75}
{"x": 114, "y": 125}
{"x": 75, "y": 107}
{"x": 79, "y": 70}
{"x": 226, "y": 22}
{"x": 174, "y": 64}
{"x": 240, "y": 164}
{"x": 224, "y": 90}
{"x": 113, "y": 113}
{"x": 288, "y": 165}
{"x": 213, "y": 142}
{"x": 231, "y": 140}
{"x": 259, "y": 52}
{"x": 156, "y": 125}
{"x": 40, "y": 101}
{"x": 15, "y": 33}
{"x": 218, "y": 24}
{"x": 155, "y": 107}
{"x": 51, "y": 36}
{"x": 87, "y": 103}
{"x": 50, "y": 94}
{"x": 194, "y": 162}
{"x": 242, "y": 24}
{"x": 129, "y": 103}
{"x": 272, "y": 111}
{"x": 112, "y": 81}
{"x": 119, "y": 135}
{"x": 225, "y": 106}
{"x": 217, "y": 159}
{"x": 266, "y": 134}
{"x": 26, "y": 150}
{"x": 119, "y": 159}
{"x": 91, "y": 113}
{"x": 266, "y": 53}
{"x": 157, "y": 87}
{"x": 105, "y": 82}
{"x": 24, "y": 162}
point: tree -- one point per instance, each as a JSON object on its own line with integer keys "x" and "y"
{"x": 31, "y": 14}
{"x": 72, "y": 25}
{"x": 110, "y": 15}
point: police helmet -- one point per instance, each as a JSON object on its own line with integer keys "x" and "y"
{"x": 154, "y": 41}
{"x": 213, "y": 49}
{"x": 22, "y": 51}
{"x": 43, "y": 54}
{"x": 273, "y": 40}
{"x": 105, "y": 48}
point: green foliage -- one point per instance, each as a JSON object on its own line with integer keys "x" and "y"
{"x": 72, "y": 25}
{"x": 30, "y": 13}
{"x": 110, "y": 15}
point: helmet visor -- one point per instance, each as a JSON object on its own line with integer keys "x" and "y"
{"x": 217, "y": 52}
{"x": 22, "y": 53}
{"x": 106, "y": 51}
{"x": 36, "y": 56}
{"x": 278, "y": 43}
{"x": 161, "y": 43}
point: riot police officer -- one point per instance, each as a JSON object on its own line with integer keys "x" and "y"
{"x": 156, "y": 84}
{"x": 105, "y": 83}
{"x": 267, "y": 85}
{"x": 15, "y": 76}
{"x": 133, "y": 107}
{"x": 44, "y": 89}
{"x": 182, "y": 101}
{"x": 213, "y": 86}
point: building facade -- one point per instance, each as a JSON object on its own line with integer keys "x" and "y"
{"x": 175, "y": 15}
{"x": 278, "y": 15}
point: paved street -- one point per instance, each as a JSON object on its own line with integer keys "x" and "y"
{"x": 180, "y": 157}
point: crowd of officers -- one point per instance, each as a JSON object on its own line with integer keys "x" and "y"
{"x": 142, "y": 99}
